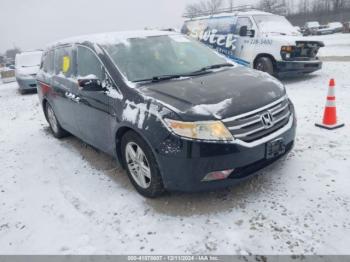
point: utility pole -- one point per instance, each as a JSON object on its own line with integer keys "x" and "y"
{"x": 231, "y": 4}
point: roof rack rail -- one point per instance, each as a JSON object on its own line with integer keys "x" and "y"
{"x": 219, "y": 11}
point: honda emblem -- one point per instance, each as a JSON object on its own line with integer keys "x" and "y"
{"x": 267, "y": 120}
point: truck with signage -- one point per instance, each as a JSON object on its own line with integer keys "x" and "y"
{"x": 257, "y": 39}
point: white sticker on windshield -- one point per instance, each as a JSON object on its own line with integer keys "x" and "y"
{"x": 179, "y": 38}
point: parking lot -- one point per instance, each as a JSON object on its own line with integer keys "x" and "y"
{"x": 62, "y": 196}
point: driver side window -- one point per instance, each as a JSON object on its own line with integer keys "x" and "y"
{"x": 89, "y": 64}
{"x": 243, "y": 21}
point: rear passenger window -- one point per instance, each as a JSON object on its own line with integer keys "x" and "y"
{"x": 223, "y": 25}
{"x": 243, "y": 21}
{"x": 64, "y": 61}
{"x": 89, "y": 64}
{"x": 48, "y": 62}
{"x": 195, "y": 28}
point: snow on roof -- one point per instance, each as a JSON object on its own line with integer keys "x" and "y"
{"x": 34, "y": 53}
{"x": 225, "y": 14}
{"x": 31, "y": 51}
{"x": 28, "y": 58}
{"x": 111, "y": 37}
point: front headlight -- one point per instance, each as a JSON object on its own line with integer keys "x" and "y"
{"x": 288, "y": 49}
{"x": 206, "y": 130}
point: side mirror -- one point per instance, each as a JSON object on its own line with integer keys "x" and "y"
{"x": 243, "y": 31}
{"x": 90, "y": 84}
{"x": 251, "y": 33}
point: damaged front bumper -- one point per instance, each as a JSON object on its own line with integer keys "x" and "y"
{"x": 187, "y": 169}
{"x": 290, "y": 68}
{"x": 299, "y": 59}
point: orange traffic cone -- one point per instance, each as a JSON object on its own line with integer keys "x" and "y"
{"x": 330, "y": 112}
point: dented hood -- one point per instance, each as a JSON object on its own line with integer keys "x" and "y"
{"x": 294, "y": 39}
{"x": 216, "y": 95}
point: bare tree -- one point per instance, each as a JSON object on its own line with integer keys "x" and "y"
{"x": 321, "y": 6}
{"x": 347, "y": 4}
{"x": 290, "y": 8}
{"x": 11, "y": 53}
{"x": 338, "y": 4}
{"x": 273, "y": 6}
{"x": 204, "y": 6}
{"x": 214, "y": 5}
{"x": 192, "y": 10}
{"x": 281, "y": 7}
{"x": 304, "y": 6}
{"x": 327, "y": 6}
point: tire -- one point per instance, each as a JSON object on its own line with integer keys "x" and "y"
{"x": 141, "y": 166}
{"x": 22, "y": 91}
{"x": 55, "y": 126}
{"x": 265, "y": 64}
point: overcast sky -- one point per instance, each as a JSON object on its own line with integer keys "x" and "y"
{"x": 31, "y": 24}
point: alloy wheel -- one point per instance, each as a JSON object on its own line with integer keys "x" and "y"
{"x": 138, "y": 165}
{"x": 52, "y": 119}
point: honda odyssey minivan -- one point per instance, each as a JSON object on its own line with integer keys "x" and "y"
{"x": 176, "y": 115}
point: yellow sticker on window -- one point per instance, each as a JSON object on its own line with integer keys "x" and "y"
{"x": 66, "y": 64}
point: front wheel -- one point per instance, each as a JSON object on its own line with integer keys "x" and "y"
{"x": 265, "y": 64}
{"x": 141, "y": 166}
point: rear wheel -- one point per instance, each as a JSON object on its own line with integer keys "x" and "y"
{"x": 55, "y": 126}
{"x": 265, "y": 64}
{"x": 141, "y": 166}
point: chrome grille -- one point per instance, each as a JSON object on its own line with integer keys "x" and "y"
{"x": 261, "y": 122}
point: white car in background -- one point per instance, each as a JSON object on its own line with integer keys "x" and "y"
{"x": 26, "y": 68}
{"x": 337, "y": 27}
{"x": 311, "y": 27}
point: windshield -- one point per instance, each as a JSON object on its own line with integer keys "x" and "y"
{"x": 275, "y": 24}
{"x": 145, "y": 58}
{"x": 28, "y": 59}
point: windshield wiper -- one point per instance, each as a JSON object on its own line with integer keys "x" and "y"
{"x": 169, "y": 77}
{"x": 159, "y": 78}
{"x": 216, "y": 66}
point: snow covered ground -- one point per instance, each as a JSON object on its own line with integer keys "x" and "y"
{"x": 64, "y": 197}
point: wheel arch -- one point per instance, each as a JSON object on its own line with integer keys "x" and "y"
{"x": 44, "y": 103}
{"x": 264, "y": 55}
{"x": 118, "y": 142}
{"x": 118, "y": 139}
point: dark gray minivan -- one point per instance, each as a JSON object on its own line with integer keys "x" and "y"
{"x": 174, "y": 113}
